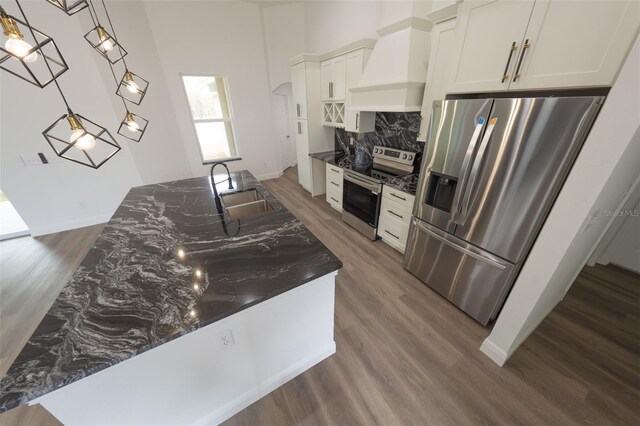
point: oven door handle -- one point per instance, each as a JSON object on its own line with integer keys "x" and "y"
{"x": 374, "y": 187}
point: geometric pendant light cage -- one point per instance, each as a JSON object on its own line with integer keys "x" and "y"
{"x": 132, "y": 87}
{"x": 78, "y": 139}
{"x": 105, "y": 44}
{"x": 70, "y": 7}
{"x": 133, "y": 126}
{"x": 21, "y": 50}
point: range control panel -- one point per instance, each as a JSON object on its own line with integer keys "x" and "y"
{"x": 397, "y": 155}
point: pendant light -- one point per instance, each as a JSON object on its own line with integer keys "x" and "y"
{"x": 103, "y": 42}
{"x": 73, "y": 136}
{"x": 70, "y": 7}
{"x": 132, "y": 126}
{"x": 22, "y": 49}
{"x": 132, "y": 87}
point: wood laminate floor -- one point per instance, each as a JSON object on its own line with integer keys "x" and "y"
{"x": 404, "y": 354}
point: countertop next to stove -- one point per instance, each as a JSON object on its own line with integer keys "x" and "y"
{"x": 407, "y": 183}
{"x": 135, "y": 288}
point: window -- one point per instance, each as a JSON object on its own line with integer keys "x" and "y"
{"x": 211, "y": 115}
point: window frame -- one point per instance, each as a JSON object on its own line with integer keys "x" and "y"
{"x": 230, "y": 120}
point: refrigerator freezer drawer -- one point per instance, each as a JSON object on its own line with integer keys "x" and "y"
{"x": 472, "y": 279}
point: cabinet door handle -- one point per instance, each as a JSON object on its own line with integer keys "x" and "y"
{"x": 333, "y": 183}
{"x": 395, "y": 214}
{"x": 335, "y": 171}
{"x": 394, "y": 195}
{"x": 505, "y": 76}
{"x": 332, "y": 197}
{"x": 300, "y": 128}
{"x": 393, "y": 235}
{"x": 357, "y": 119}
{"x": 525, "y": 46}
{"x": 298, "y": 109}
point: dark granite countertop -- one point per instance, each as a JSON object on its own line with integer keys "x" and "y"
{"x": 336, "y": 158}
{"x": 165, "y": 264}
{"x": 407, "y": 183}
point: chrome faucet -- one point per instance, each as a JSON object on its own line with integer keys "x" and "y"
{"x": 213, "y": 184}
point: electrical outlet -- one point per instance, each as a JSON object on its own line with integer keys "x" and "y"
{"x": 226, "y": 338}
{"x": 31, "y": 160}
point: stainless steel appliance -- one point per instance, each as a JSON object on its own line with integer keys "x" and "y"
{"x": 362, "y": 187}
{"x": 491, "y": 171}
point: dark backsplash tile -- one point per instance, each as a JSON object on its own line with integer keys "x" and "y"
{"x": 393, "y": 129}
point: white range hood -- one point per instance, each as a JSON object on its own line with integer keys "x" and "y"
{"x": 394, "y": 78}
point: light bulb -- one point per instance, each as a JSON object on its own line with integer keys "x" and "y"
{"x": 20, "y": 48}
{"x": 82, "y": 139}
{"x": 107, "y": 45}
{"x": 133, "y": 126}
{"x": 132, "y": 87}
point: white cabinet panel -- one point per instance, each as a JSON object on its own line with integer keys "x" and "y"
{"x": 334, "y": 186}
{"x": 357, "y": 121}
{"x": 442, "y": 40}
{"x": 325, "y": 78}
{"x": 576, "y": 44}
{"x": 299, "y": 88}
{"x": 333, "y": 78}
{"x": 488, "y": 40}
{"x": 302, "y": 149}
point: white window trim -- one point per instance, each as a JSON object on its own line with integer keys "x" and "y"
{"x": 193, "y": 120}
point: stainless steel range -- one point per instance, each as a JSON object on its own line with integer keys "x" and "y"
{"x": 362, "y": 187}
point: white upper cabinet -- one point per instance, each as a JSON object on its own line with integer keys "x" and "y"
{"x": 580, "y": 43}
{"x": 488, "y": 37}
{"x": 333, "y": 78}
{"x": 299, "y": 88}
{"x": 357, "y": 121}
{"x": 543, "y": 44}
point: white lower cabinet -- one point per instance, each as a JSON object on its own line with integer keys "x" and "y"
{"x": 395, "y": 216}
{"x": 334, "y": 186}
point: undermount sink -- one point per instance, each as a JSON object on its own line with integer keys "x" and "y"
{"x": 245, "y": 204}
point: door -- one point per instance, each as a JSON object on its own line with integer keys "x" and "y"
{"x": 355, "y": 64}
{"x": 282, "y": 129}
{"x": 299, "y": 88}
{"x": 472, "y": 279}
{"x": 339, "y": 78}
{"x": 325, "y": 80}
{"x": 579, "y": 43}
{"x": 518, "y": 169}
{"x": 488, "y": 39}
{"x": 455, "y": 130}
{"x": 442, "y": 39}
{"x": 302, "y": 149}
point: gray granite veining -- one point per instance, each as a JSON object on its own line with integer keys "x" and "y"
{"x": 393, "y": 129}
{"x": 336, "y": 158}
{"x": 407, "y": 183}
{"x": 165, "y": 264}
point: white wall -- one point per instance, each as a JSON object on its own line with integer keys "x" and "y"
{"x": 61, "y": 195}
{"x": 601, "y": 180}
{"x": 284, "y": 32}
{"x": 161, "y": 155}
{"x": 219, "y": 38}
{"x": 621, "y": 244}
{"x": 332, "y": 24}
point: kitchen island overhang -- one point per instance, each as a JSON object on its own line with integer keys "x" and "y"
{"x": 155, "y": 292}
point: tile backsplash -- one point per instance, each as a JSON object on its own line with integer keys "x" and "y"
{"x": 393, "y": 129}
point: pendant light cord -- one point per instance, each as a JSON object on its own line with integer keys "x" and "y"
{"x": 55, "y": 80}
{"x": 96, "y": 22}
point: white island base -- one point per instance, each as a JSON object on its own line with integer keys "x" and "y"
{"x": 196, "y": 379}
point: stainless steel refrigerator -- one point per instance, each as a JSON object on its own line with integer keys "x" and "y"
{"x": 491, "y": 171}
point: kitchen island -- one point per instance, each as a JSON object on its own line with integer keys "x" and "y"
{"x": 180, "y": 314}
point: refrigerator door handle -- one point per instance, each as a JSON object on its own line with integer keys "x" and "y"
{"x": 464, "y": 171}
{"x": 475, "y": 171}
{"x": 455, "y": 246}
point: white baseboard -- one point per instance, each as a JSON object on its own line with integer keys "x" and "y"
{"x": 494, "y": 352}
{"x": 267, "y": 176}
{"x": 10, "y": 235}
{"x": 72, "y": 224}
{"x": 277, "y": 380}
